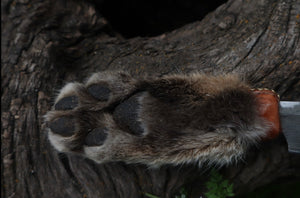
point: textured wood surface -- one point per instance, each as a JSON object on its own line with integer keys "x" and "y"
{"x": 48, "y": 43}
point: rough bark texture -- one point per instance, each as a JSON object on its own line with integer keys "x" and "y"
{"x": 48, "y": 43}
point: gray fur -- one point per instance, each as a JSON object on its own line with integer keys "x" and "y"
{"x": 174, "y": 119}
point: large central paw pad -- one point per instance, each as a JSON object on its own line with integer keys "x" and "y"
{"x": 127, "y": 115}
{"x": 96, "y": 137}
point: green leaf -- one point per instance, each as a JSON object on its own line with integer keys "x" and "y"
{"x": 218, "y": 187}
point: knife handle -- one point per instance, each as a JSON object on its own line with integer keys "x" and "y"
{"x": 268, "y": 102}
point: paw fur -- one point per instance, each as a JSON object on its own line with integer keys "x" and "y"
{"x": 169, "y": 120}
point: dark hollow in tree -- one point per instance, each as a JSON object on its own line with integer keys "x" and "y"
{"x": 48, "y": 43}
{"x": 134, "y": 18}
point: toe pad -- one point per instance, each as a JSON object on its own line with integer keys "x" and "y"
{"x": 63, "y": 126}
{"x": 100, "y": 92}
{"x": 67, "y": 103}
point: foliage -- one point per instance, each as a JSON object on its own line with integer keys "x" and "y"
{"x": 218, "y": 187}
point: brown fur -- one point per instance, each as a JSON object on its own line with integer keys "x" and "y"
{"x": 184, "y": 119}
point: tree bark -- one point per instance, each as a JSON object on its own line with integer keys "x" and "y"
{"x": 48, "y": 43}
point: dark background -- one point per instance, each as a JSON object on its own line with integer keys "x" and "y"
{"x": 153, "y": 17}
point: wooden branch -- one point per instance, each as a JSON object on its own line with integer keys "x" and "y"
{"x": 48, "y": 43}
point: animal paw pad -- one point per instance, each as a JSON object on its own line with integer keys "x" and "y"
{"x": 126, "y": 115}
{"x": 99, "y": 92}
{"x": 96, "y": 137}
{"x": 67, "y": 103}
{"x": 63, "y": 126}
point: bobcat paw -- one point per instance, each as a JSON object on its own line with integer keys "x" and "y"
{"x": 169, "y": 120}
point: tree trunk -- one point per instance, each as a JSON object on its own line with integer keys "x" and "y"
{"x": 48, "y": 43}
